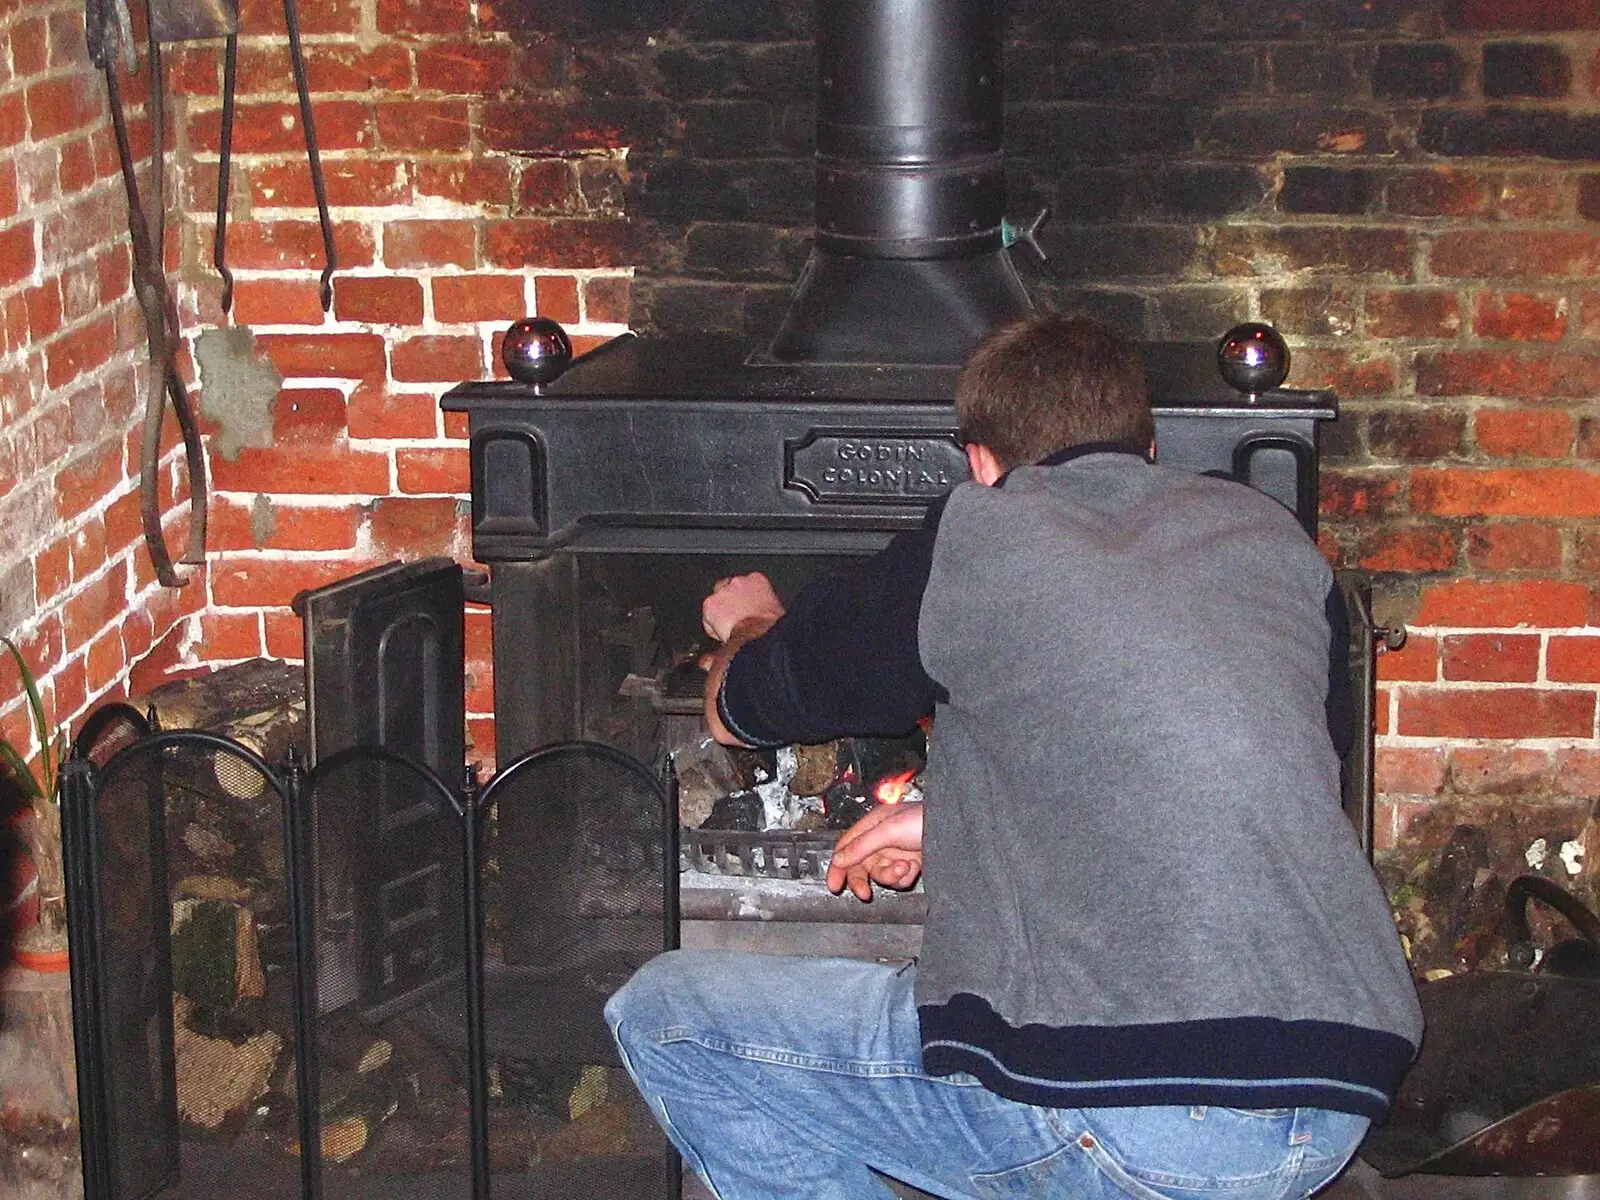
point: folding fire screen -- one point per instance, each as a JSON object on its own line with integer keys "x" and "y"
{"x": 208, "y": 1065}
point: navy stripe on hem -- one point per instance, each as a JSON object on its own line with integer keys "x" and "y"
{"x": 1243, "y": 1062}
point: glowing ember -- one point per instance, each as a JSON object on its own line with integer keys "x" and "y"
{"x": 891, "y": 789}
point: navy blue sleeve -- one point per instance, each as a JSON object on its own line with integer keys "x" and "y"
{"x": 1341, "y": 696}
{"x": 844, "y": 660}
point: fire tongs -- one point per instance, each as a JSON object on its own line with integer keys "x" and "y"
{"x": 110, "y": 39}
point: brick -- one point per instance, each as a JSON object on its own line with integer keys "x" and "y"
{"x": 52, "y": 571}
{"x": 104, "y": 663}
{"x": 606, "y": 300}
{"x": 1507, "y": 492}
{"x": 325, "y": 355}
{"x": 1327, "y": 190}
{"x": 423, "y": 471}
{"x": 1482, "y": 373}
{"x": 479, "y": 182}
{"x": 481, "y": 741}
{"x": 1524, "y": 433}
{"x": 227, "y": 637}
{"x": 577, "y": 243}
{"x": 194, "y": 69}
{"x": 259, "y": 302}
{"x": 1410, "y": 549}
{"x": 1415, "y": 433}
{"x": 1577, "y": 771}
{"x": 365, "y": 182}
{"x": 1514, "y": 546}
{"x": 1417, "y": 71}
{"x": 273, "y": 127}
{"x": 79, "y": 351}
{"x": 87, "y": 481}
{"x": 76, "y": 169}
{"x": 63, "y": 105}
{"x": 557, "y": 298}
{"x": 44, "y": 309}
{"x": 465, "y": 68}
{"x": 459, "y": 299}
{"x": 430, "y": 244}
{"x": 263, "y": 17}
{"x": 434, "y": 125}
{"x": 436, "y": 359}
{"x": 1407, "y": 771}
{"x": 546, "y": 186}
{"x": 29, "y": 48}
{"x": 1519, "y": 316}
{"x": 88, "y": 546}
{"x": 1573, "y": 659}
{"x": 17, "y": 257}
{"x": 1516, "y": 254}
{"x": 1525, "y": 70}
{"x": 1505, "y": 132}
{"x": 416, "y": 17}
{"x": 123, "y": 527}
{"x": 249, "y": 581}
{"x": 1257, "y": 250}
{"x": 386, "y": 300}
{"x": 71, "y": 689}
{"x": 1346, "y": 493}
{"x": 285, "y": 635}
{"x": 1528, "y": 196}
{"x": 1502, "y": 604}
{"x": 1491, "y": 657}
{"x": 408, "y": 527}
{"x": 1416, "y": 661}
{"x": 308, "y": 416}
{"x": 1495, "y": 713}
{"x": 97, "y": 604}
{"x": 1412, "y": 313}
{"x": 382, "y": 67}
{"x": 374, "y": 412}
{"x": 1499, "y": 770}
{"x": 288, "y": 245}
{"x": 1589, "y": 437}
{"x": 305, "y": 470}
{"x": 1521, "y": 16}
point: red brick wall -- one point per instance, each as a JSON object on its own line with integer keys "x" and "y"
{"x": 442, "y": 241}
{"x": 1408, "y": 190}
{"x": 75, "y": 588}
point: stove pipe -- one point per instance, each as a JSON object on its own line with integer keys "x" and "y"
{"x": 909, "y": 265}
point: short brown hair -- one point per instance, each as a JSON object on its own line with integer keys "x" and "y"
{"x": 1048, "y": 381}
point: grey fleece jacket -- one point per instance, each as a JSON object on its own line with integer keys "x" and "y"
{"x": 1142, "y": 888}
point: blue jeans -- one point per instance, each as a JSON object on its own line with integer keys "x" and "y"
{"x": 801, "y": 1077}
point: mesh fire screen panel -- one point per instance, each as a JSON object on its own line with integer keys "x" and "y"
{"x": 565, "y": 1120}
{"x": 191, "y": 1017}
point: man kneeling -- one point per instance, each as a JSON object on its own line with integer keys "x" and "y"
{"x": 1155, "y": 961}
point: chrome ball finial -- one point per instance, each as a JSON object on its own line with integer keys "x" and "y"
{"x": 536, "y": 350}
{"x": 1253, "y": 358}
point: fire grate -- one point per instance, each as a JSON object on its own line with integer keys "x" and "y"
{"x": 771, "y": 854}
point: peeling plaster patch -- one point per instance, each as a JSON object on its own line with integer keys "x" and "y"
{"x": 1572, "y": 856}
{"x": 263, "y": 520}
{"x": 237, "y": 388}
{"x": 1537, "y": 853}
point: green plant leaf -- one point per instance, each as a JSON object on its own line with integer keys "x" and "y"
{"x": 41, "y": 729}
{"x": 16, "y": 766}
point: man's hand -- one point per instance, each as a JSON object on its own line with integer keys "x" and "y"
{"x": 739, "y": 599}
{"x": 739, "y": 609}
{"x": 884, "y": 847}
